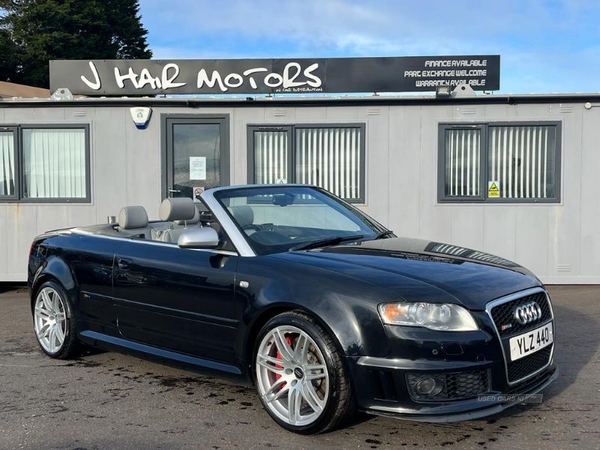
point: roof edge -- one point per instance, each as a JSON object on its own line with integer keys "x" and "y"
{"x": 13, "y": 90}
{"x": 383, "y": 100}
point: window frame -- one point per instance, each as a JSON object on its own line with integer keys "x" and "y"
{"x": 484, "y": 160}
{"x": 290, "y": 129}
{"x": 19, "y": 166}
{"x": 168, "y": 121}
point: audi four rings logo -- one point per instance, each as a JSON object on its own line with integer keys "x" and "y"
{"x": 528, "y": 313}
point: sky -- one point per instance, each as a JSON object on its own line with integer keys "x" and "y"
{"x": 545, "y": 47}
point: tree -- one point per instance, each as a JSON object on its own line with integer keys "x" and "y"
{"x": 8, "y": 57}
{"x": 42, "y": 30}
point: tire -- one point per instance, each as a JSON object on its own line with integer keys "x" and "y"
{"x": 53, "y": 321}
{"x": 300, "y": 376}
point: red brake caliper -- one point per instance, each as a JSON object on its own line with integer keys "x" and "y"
{"x": 288, "y": 339}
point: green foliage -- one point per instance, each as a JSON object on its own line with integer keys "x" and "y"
{"x": 42, "y": 30}
{"x": 8, "y": 56}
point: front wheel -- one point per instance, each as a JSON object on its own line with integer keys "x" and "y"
{"x": 53, "y": 321}
{"x": 300, "y": 376}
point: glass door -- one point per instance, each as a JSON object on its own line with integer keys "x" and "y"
{"x": 197, "y": 154}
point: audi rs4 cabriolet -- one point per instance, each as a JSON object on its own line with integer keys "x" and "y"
{"x": 322, "y": 308}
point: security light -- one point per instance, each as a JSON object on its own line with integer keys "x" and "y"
{"x": 443, "y": 91}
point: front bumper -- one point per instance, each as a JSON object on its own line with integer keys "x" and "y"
{"x": 390, "y": 395}
{"x": 474, "y": 369}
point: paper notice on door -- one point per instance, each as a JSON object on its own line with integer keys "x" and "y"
{"x": 197, "y": 167}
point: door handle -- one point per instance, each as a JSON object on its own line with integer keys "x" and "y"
{"x": 174, "y": 191}
{"x": 124, "y": 263}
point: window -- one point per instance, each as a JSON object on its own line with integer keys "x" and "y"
{"x": 499, "y": 162}
{"x": 331, "y": 157}
{"x": 7, "y": 163}
{"x": 44, "y": 164}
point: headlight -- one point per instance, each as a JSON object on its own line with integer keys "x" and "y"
{"x": 444, "y": 317}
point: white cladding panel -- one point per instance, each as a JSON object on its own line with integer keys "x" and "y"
{"x": 589, "y": 240}
{"x": 559, "y": 242}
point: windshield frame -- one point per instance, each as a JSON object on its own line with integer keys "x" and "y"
{"x": 369, "y": 228}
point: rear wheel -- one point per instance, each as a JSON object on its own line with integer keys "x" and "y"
{"x": 53, "y": 321}
{"x": 299, "y": 375}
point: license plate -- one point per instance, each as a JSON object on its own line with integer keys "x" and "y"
{"x": 527, "y": 343}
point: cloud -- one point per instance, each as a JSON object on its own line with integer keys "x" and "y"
{"x": 532, "y": 36}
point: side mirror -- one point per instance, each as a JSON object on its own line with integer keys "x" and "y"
{"x": 205, "y": 237}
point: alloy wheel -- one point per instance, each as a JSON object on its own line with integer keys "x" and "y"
{"x": 292, "y": 375}
{"x": 50, "y": 320}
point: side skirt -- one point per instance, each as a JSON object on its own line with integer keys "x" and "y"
{"x": 95, "y": 338}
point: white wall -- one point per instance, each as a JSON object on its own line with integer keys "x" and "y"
{"x": 559, "y": 242}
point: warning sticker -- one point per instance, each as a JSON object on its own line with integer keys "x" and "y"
{"x": 493, "y": 189}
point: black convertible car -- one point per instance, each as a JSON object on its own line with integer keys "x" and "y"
{"x": 321, "y": 307}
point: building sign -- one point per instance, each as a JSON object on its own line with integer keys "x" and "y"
{"x": 274, "y": 76}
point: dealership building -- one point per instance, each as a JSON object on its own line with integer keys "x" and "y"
{"x": 419, "y": 143}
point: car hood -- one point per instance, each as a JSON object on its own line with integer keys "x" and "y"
{"x": 418, "y": 270}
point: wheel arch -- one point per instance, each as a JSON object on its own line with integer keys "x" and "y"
{"x": 347, "y": 336}
{"x": 57, "y": 270}
{"x": 267, "y": 314}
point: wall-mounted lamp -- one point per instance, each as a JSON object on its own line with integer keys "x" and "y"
{"x": 62, "y": 94}
{"x": 443, "y": 91}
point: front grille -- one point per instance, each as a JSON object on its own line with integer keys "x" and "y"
{"x": 521, "y": 368}
{"x": 456, "y": 385}
{"x": 504, "y": 314}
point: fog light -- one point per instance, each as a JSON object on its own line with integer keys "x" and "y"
{"x": 429, "y": 386}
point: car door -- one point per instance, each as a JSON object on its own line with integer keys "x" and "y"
{"x": 175, "y": 298}
{"x": 91, "y": 261}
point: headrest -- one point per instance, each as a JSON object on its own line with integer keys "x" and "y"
{"x": 178, "y": 208}
{"x": 243, "y": 214}
{"x": 191, "y": 221}
{"x": 133, "y": 217}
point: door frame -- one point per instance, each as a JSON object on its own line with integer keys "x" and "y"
{"x": 167, "y": 121}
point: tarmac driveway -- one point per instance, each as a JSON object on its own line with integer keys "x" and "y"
{"x": 112, "y": 401}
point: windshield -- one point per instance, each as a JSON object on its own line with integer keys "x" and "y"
{"x": 279, "y": 218}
